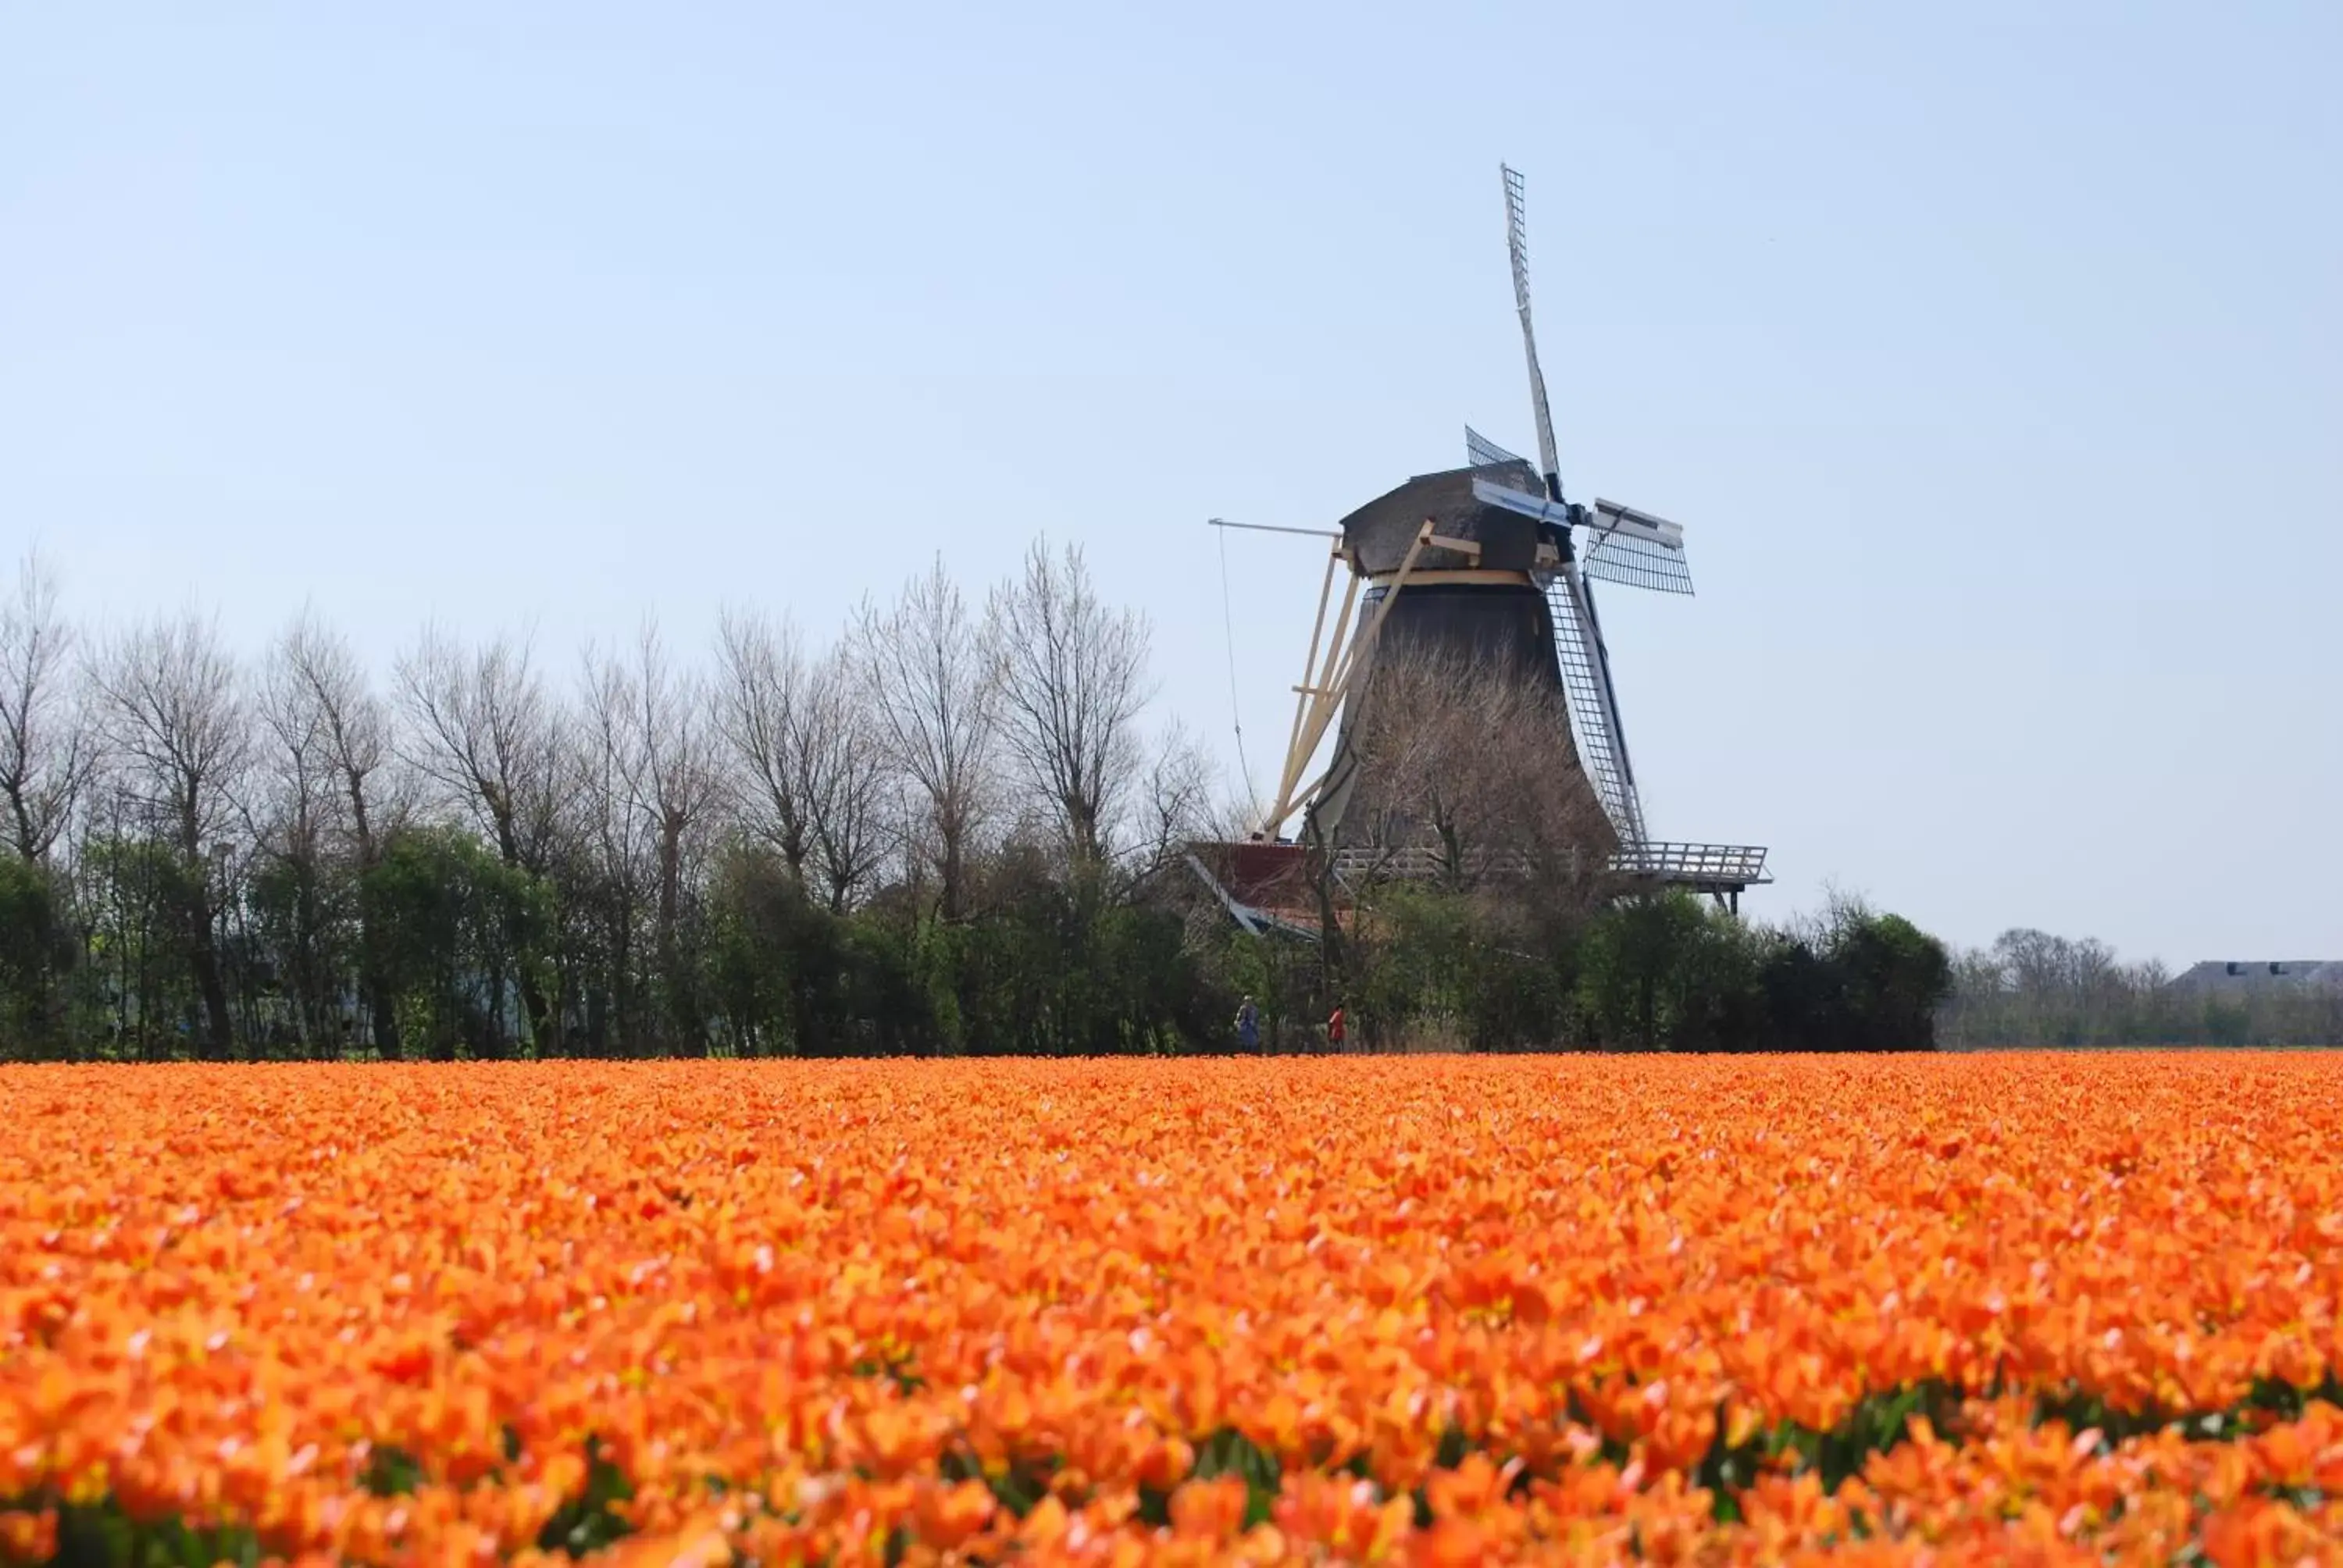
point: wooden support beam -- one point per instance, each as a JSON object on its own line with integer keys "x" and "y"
{"x": 1358, "y": 649}
{"x": 1310, "y": 791}
{"x": 1334, "y": 645}
{"x": 1310, "y": 660}
{"x": 1297, "y": 754}
{"x": 1337, "y": 684}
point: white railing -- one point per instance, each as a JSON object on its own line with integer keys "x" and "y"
{"x": 1743, "y": 863}
{"x": 1421, "y": 862}
{"x": 1697, "y": 864}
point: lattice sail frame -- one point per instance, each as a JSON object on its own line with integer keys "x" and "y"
{"x": 1633, "y": 562}
{"x": 1480, "y": 452}
{"x": 1607, "y": 552}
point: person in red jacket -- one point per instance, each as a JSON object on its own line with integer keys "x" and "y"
{"x": 1335, "y": 1028}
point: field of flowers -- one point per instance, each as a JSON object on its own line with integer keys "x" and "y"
{"x": 2021, "y": 1308}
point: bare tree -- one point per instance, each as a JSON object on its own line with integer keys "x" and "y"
{"x": 293, "y": 812}
{"x": 676, "y": 784}
{"x": 48, "y": 749}
{"x": 483, "y": 730}
{"x": 1072, "y": 680}
{"x": 315, "y": 673}
{"x": 852, "y": 783}
{"x": 802, "y": 736}
{"x": 172, "y": 703}
{"x": 1469, "y": 761}
{"x": 1458, "y": 767}
{"x": 617, "y": 845}
{"x": 933, "y": 697}
{"x": 1176, "y": 805}
{"x": 765, "y": 712}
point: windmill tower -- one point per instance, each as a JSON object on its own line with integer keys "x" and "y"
{"x": 1490, "y": 565}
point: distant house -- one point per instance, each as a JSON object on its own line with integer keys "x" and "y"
{"x": 2271, "y": 977}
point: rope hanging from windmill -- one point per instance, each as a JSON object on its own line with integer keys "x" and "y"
{"x": 1229, "y": 631}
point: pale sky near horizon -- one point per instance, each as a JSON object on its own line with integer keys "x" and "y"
{"x": 1991, "y": 356}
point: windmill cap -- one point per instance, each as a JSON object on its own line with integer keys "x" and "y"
{"x": 1380, "y": 534}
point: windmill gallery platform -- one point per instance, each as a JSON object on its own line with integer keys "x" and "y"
{"x": 1484, "y": 574}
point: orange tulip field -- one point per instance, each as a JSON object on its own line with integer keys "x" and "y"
{"x": 2022, "y": 1309}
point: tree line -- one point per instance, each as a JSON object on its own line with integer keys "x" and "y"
{"x": 931, "y": 832}
{"x": 956, "y": 826}
{"x": 2031, "y": 988}
{"x": 1452, "y": 969}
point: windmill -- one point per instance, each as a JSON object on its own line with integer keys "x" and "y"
{"x": 1491, "y": 561}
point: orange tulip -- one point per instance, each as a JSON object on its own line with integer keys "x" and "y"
{"x": 1560, "y": 1309}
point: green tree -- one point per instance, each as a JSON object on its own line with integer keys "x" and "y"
{"x": 137, "y": 982}
{"x": 303, "y": 912}
{"x": 775, "y": 960}
{"x": 36, "y": 954}
{"x": 787, "y": 977}
{"x": 461, "y": 929}
{"x": 1638, "y": 973}
{"x": 1894, "y": 978}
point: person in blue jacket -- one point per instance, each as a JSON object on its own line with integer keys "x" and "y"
{"x": 1249, "y": 1025}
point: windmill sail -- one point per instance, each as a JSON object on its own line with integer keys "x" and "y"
{"x": 1634, "y": 548}
{"x": 1577, "y": 636}
{"x": 1594, "y": 708}
{"x": 1517, "y": 241}
{"x": 1621, "y": 544}
{"x": 1636, "y": 563}
{"x": 1480, "y": 452}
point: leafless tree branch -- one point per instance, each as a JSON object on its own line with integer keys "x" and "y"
{"x": 48, "y": 748}
{"x": 764, "y": 710}
{"x": 851, "y": 787}
{"x": 1071, "y": 674}
{"x": 482, "y": 728}
{"x": 934, "y": 704}
{"x": 325, "y": 711}
{"x": 1471, "y": 761}
{"x": 172, "y": 703}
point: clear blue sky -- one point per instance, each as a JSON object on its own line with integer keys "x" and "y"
{"x": 1991, "y": 355}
